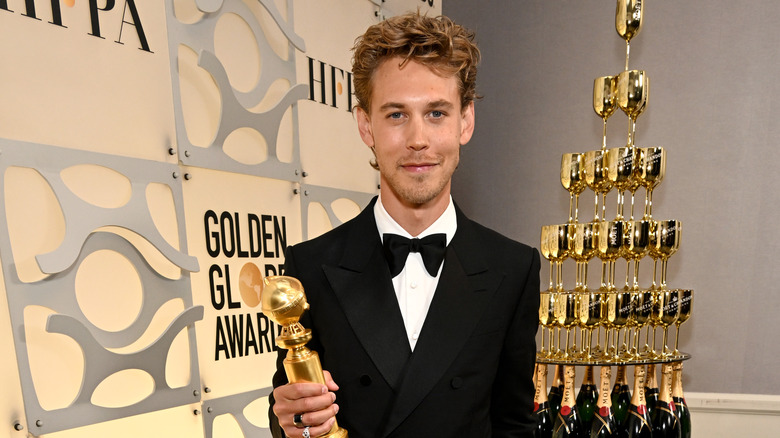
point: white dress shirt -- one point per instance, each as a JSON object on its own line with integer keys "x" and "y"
{"x": 414, "y": 287}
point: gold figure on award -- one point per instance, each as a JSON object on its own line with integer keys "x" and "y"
{"x": 283, "y": 301}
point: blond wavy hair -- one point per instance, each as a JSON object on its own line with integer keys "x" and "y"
{"x": 438, "y": 43}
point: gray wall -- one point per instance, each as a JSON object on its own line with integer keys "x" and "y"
{"x": 714, "y": 69}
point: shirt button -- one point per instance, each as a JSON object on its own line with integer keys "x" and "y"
{"x": 413, "y": 285}
{"x": 415, "y": 336}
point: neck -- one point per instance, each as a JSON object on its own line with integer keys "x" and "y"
{"x": 414, "y": 218}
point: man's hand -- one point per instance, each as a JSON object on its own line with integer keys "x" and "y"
{"x": 313, "y": 400}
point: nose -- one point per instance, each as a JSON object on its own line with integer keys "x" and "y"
{"x": 417, "y": 136}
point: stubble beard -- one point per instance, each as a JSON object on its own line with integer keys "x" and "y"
{"x": 417, "y": 189}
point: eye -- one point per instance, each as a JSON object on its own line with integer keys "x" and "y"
{"x": 437, "y": 114}
{"x": 395, "y": 115}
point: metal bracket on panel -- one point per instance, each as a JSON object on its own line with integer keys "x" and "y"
{"x": 82, "y": 218}
{"x": 234, "y": 405}
{"x": 58, "y": 292}
{"x": 199, "y": 36}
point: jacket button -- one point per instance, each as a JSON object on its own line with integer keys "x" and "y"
{"x": 365, "y": 380}
{"x": 456, "y": 382}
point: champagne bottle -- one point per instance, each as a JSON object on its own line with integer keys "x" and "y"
{"x": 544, "y": 420}
{"x": 567, "y": 423}
{"x": 587, "y": 398}
{"x": 638, "y": 423}
{"x": 651, "y": 389}
{"x": 556, "y": 392}
{"x": 683, "y": 413}
{"x": 664, "y": 419}
{"x": 621, "y": 398}
{"x": 603, "y": 425}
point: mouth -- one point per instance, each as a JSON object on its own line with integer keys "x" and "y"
{"x": 419, "y": 166}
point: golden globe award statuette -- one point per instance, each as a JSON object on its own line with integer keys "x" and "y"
{"x": 283, "y": 301}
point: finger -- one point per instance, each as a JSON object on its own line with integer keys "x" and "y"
{"x": 314, "y": 431}
{"x": 317, "y": 418}
{"x": 329, "y": 382}
{"x": 285, "y": 408}
{"x": 295, "y": 391}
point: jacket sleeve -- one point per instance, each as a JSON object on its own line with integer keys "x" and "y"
{"x": 513, "y": 389}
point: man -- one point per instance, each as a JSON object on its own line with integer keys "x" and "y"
{"x": 415, "y": 348}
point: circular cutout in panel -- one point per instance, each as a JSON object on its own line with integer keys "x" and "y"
{"x": 123, "y": 388}
{"x": 98, "y": 185}
{"x": 250, "y": 283}
{"x": 345, "y": 209}
{"x": 246, "y": 146}
{"x": 236, "y": 48}
{"x": 256, "y": 412}
{"x": 108, "y": 290}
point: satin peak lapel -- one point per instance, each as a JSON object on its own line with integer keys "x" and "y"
{"x": 365, "y": 292}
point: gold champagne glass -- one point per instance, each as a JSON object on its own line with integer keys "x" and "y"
{"x": 635, "y": 246}
{"x": 633, "y": 89}
{"x": 546, "y": 317}
{"x": 584, "y": 248}
{"x": 623, "y": 172}
{"x": 668, "y": 310}
{"x": 664, "y": 241}
{"x": 636, "y": 182}
{"x": 592, "y": 310}
{"x": 555, "y": 303}
{"x": 652, "y": 171}
{"x": 619, "y": 309}
{"x": 642, "y": 312}
{"x": 547, "y": 239}
{"x": 560, "y": 248}
{"x": 686, "y": 308}
{"x": 596, "y": 178}
{"x": 604, "y": 101}
{"x": 609, "y": 249}
{"x": 567, "y": 314}
{"x": 654, "y": 322}
{"x": 628, "y": 21}
{"x": 573, "y": 180}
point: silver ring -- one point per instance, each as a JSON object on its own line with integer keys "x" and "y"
{"x": 298, "y": 420}
{"x": 306, "y": 432}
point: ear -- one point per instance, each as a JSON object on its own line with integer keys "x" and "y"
{"x": 364, "y": 127}
{"x": 467, "y": 123}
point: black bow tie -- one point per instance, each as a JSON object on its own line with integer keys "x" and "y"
{"x": 431, "y": 248}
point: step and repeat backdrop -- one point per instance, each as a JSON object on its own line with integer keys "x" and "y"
{"x": 156, "y": 158}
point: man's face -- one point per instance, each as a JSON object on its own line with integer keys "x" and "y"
{"x": 416, "y": 126}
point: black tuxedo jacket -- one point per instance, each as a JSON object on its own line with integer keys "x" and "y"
{"x": 470, "y": 374}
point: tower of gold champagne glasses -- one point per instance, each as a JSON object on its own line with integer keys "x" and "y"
{"x": 622, "y": 312}
{"x": 623, "y": 319}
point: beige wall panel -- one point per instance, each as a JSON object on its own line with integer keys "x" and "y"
{"x": 237, "y": 227}
{"x": 76, "y": 90}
